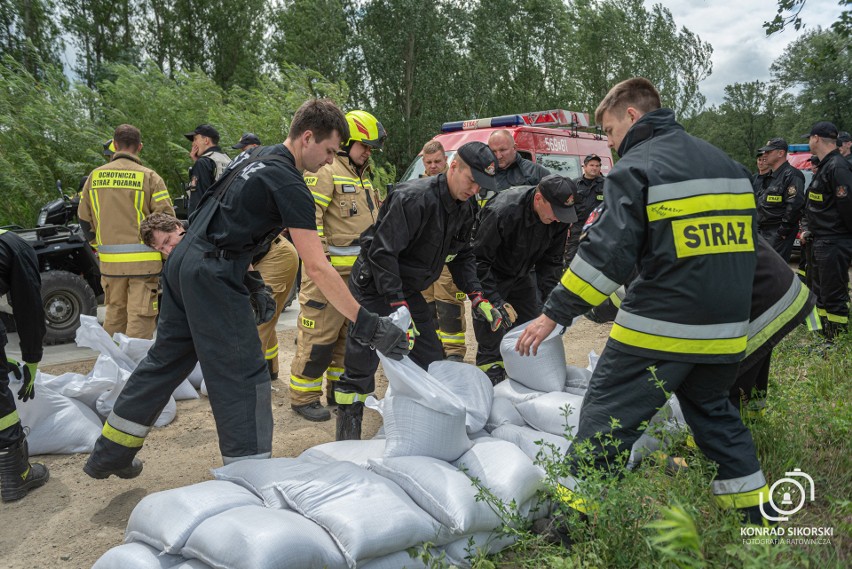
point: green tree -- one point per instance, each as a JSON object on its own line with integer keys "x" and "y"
{"x": 312, "y": 34}
{"x": 29, "y": 34}
{"x": 789, "y": 14}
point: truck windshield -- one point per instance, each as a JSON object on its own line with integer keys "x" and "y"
{"x": 416, "y": 169}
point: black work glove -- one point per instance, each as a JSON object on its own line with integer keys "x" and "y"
{"x": 27, "y": 390}
{"x": 260, "y": 297}
{"x": 484, "y": 310}
{"x": 508, "y": 314}
{"x": 379, "y": 333}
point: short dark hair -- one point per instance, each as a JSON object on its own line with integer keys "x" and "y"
{"x": 127, "y": 136}
{"x": 637, "y": 92}
{"x": 157, "y": 221}
{"x": 320, "y": 116}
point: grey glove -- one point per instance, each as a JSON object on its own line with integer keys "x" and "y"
{"x": 263, "y": 305}
{"x": 380, "y": 333}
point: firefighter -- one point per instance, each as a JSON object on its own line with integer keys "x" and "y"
{"x": 19, "y": 277}
{"x": 251, "y": 204}
{"x": 445, "y": 300}
{"x": 210, "y": 163}
{"x": 758, "y": 181}
{"x": 780, "y": 203}
{"x": 247, "y": 141}
{"x": 589, "y": 196}
{"x": 422, "y": 225}
{"x": 346, "y": 205}
{"x": 681, "y": 212}
{"x": 829, "y": 227}
{"x": 116, "y": 198}
{"x": 844, "y": 145}
{"x": 512, "y": 168}
{"x": 520, "y": 230}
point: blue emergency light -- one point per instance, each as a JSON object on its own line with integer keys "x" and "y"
{"x": 490, "y": 122}
{"x": 799, "y": 148}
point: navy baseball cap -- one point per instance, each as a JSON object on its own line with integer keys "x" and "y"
{"x": 482, "y": 162}
{"x": 247, "y": 138}
{"x": 822, "y": 129}
{"x": 204, "y": 130}
{"x": 560, "y": 191}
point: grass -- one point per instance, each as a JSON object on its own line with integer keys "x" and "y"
{"x": 651, "y": 519}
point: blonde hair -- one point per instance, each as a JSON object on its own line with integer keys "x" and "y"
{"x": 637, "y": 92}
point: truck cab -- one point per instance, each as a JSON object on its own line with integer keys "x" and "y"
{"x": 557, "y": 140}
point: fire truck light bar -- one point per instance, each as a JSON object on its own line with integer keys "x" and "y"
{"x": 799, "y": 148}
{"x": 556, "y": 117}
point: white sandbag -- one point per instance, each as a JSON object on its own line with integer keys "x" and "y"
{"x": 137, "y": 348}
{"x": 136, "y": 556}
{"x": 165, "y": 520}
{"x": 91, "y": 334}
{"x": 195, "y": 377}
{"x": 547, "y": 413}
{"x": 471, "y": 385}
{"x": 461, "y": 552}
{"x": 357, "y": 452}
{"x": 514, "y": 391}
{"x": 83, "y": 388}
{"x": 398, "y": 560}
{"x": 107, "y": 400}
{"x": 534, "y": 442}
{"x": 203, "y": 388}
{"x": 441, "y": 489}
{"x": 58, "y": 424}
{"x": 577, "y": 380}
{"x": 483, "y": 434}
{"x": 185, "y": 391}
{"x": 412, "y": 429}
{"x": 260, "y": 476}
{"x": 544, "y": 371}
{"x": 505, "y": 470}
{"x": 503, "y": 412}
{"x": 254, "y": 537}
{"x": 367, "y": 516}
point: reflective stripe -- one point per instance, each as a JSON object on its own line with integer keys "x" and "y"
{"x": 582, "y": 289}
{"x": 272, "y": 352}
{"x": 305, "y": 384}
{"x": 343, "y": 261}
{"x": 96, "y": 209}
{"x": 486, "y": 367}
{"x": 813, "y": 321}
{"x": 321, "y": 199}
{"x": 344, "y": 251}
{"x": 618, "y": 296}
{"x": 686, "y": 331}
{"x": 839, "y": 318}
{"x": 754, "y": 481}
{"x": 450, "y": 338}
{"x": 768, "y": 323}
{"x": 2, "y": 231}
{"x": 744, "y": 499}
{"x": 349, "y": 398}
{"x": 321, "y": 230}
{"x": 698, "y": 204}
{"x": 679, "y": 338}
{"x": 591, "y": 275}
{"x": 689, "y": 188}
{"x": 226, "y": 460}
{"x": 160, "y": 196}
{"x": 820, "y": 312}
{"x": 334, "y": 373}
{"x": 128, "y": 426}
{"x": 133, "y": 248}
{"x": 355, "y": 181}
{"x": 573, "y": 500}
{"x": 10, "y": 419}
{"x": 139, "y": 204}
{"x": 128, "y": 257}
{"x": 120, "y": 438}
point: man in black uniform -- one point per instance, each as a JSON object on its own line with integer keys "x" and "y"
{"x": 520, "y": 230}
{"x": 210, "y": 163}
{"x": 19, "y": 277}
{"x": 844, "y": 145}
{"x": 780, "y": 203}
{"x": 512, "y": 168}
{"x": 589, "y": 196}
{"x": 759, "y": 180}
{"x": 422, "y": 225}
{"x": 254, "y": 201}
{"x": 829, "y": 224}
{"x": 248, "y": 141}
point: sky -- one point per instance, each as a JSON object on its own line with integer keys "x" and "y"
{"x": 741, "y": 50}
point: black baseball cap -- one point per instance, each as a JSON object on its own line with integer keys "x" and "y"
{"x": 761, "y": 151}
{"x": 560, "y": 191}
{"x": 814, "y": 159}
{"x": 247, "y": 138}
{"x": 482, "y": 162}
{"x": 842, "y": 137}
{"x": 775, "y": 144}
{"x": 204, "y": 130}
{"x": 590, "y": 157}
{"x": 823, "y": 129}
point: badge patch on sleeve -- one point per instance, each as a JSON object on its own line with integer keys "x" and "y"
{"x": 841, "y": 192}
{"x": 791, "y": 191}
{"x": 712, "y": 235}
{"x": 310, "y": 180}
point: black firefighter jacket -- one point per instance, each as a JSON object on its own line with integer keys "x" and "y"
{"x": 20, "y": 278}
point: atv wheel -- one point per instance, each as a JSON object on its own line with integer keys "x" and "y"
{"x": 65, "y": 297}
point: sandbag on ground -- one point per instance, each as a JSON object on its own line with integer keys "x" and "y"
{"x": 460, "y": 553}
{"x": 136, "y": 556}
{"x": 422, "y": 416}
{"x": 137, "y": 348}
{"x": 166, "y": 519}
{"x": 441, "y": 489}
{"x": 547, "y": 413}
{"x": 577, "y": 379}
{"x": 77, "y": 386}
{"x": 368, "y": 516}
{"x": 505, "y": 470}
{"x": 527, "y": 440}
{"x": 260, "y": 476}
{"x": 544, "y": 371}
{"x": 58, "y": 425}
{"x": 398, "y": 560}
{"x": 503, "y": 412}
{"x": 471, "y": 385}
{"x": 515, "y": 392}
{"x": 254, "y": 537}
{"x": 357, "y": 452}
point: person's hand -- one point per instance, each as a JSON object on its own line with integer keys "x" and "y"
{"x": 412, "y": 331}
{"x": 30, "y": 370}
{"x": 263, "y": 304}
{"x": 484, "y": 310}
{"x": 379, "y": 332}
{"x": 194, "y": 152}
{"x": 806, "y": 237}
{"x": 509, "y": 315}
{"x": 534, "y": 334}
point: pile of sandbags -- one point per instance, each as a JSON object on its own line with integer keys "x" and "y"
{"x": 68, "y": 412}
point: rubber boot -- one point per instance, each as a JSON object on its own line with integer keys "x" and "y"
{"x": 349, "y": 421}
{"x": 312, "y": 412}
{"x": 496, "y": 374}
{"x": 100, "y": 472}
{"x": 17, "y": 475}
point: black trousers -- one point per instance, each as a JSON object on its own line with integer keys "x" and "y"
{"x": 13, "y": 431}
{"x": 832, "y": 257}
{"x": 523, "y": 297}
{"x": 205, "y": 316}
{"x": 620, "y": 388}
{"x": 360, "y": 363}
{"x": 782, "y": 245}
{"x": 753, "y": 383}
